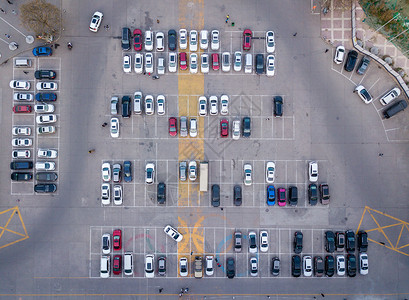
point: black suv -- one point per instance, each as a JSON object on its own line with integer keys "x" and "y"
{"x": 363, "y": 65}
{"x": 161, "y": 193}
{"x": 395, "y": 108}
{"x": 351, "y": 61}
{"x": 16, "y": 176}
{"x": 21, "y": 165}
{"x": 298, "y": 242}
{"x": 230, "y": 267}
{"x": 126, "y": 38}
{"x": 329, "y": 241}
{"x": 296, "y": 266}
{"x": 329, "y": 265}
{"x": 246, "y": 127}
{"x": 362, "y": 241}
{"x": 127, "y": 171}
{"x": 350, "y": 241}
{"x": 237, "y": 195}
{"x": 293, "y": 195}
{"x": 259, "y": 64}
{"x": 313, "y": 194}
{"x": 126, "y": 106}
{"x": 278, "y": 106}
{"x": 172, "y": 40}
{"x": 45, "y": 188}
{"x": 215, "y": 195}
{"x": 45, "y": 74}
{"x": 351, "y": 265}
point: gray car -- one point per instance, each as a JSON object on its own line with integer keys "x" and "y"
{"x": 182, "y": 170}
{"x": 363, "y": 65}
{"x": 183, "y": 126}
{"x": 114, "y": 105}
{"x": 116, "y": 172}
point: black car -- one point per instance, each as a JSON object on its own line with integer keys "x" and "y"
{"x": 278, "y": 106}
{"x": 351, "y": 265}
{"x": 329, "y": 241}
{"x": 162, "y": 266}
{"x": 16, "y": 176}
{"x": 395, "y": 108}
{"x": 363, "y": 65}
{"x": 45, "y": 74}
{"x": 127, "y": 171}
{"x": 324, "y": 193}
{"x": 350, "y": 241}
{"x": 237, "y": 195}
{"x": 230, "y": 267}
{"x": 362, "y": 241}
{"x": 46, "y": 176}
{"x": 126, "y": 38}
{"x": 329, "y": 265}
{"x": 161, "y": 195}
{"x": 259, "y": 64}
{"x": 172, "y": 40}
{"x": 340, "y": 240}
{"x": 296, "y": 266}
{"x": 215, "y": 195}
{"x": 21, "y": 165}
{"x": 293, "y": 195}
{"x": 298, "y": 242}
{"x": 319, "y": 266}
{"x": 351, "y": 61}
{"x": 46, "y": 97}
{"x": 126, "y": 106}
{"x": 45, "y": 188}
{"x": 246, "y": 127}
{"x": 313, "y": 194}
{"x": 275, "y": 266}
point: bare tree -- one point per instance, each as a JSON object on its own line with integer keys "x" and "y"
{"x": 41, "y": 17}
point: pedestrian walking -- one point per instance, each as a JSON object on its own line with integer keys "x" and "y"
{"x": 191, "y": 253}
{"x": 157, "y": 21}
{"x": 326, "y": 50}
{"x": 160, "y": 290}
{"x": 2, "y": 10}
{"x": 25, "y": 72}
{"x": 7, "y": 35}
{"x": 380, "y": 154}
{"x": 103, "y": 125}
{"x": 13, "y": 12}
{"x": 227, "y": 18}
{"x": 9, "y": 2}
{"x": 295, "y": 34}
{"x": 232, "y": 24}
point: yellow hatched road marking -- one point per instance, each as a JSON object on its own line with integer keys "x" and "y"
{"x": 13, "y": 211}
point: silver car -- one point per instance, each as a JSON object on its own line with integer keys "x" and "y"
{"x": 182, "y": 170}
{"x": 114, "y": 105}
{"x": 183, "y": 126}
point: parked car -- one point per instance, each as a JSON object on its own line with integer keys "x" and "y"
{"x": 192, "y": 170}
{"x": 271, "y": 198}
{"x": 149, "y": 266}
{"x": 19, "y": 84}
{"x": 213, "y": 102}
{"x": 126, "y": 106}
{"x": 363, "y": 65}
{"x": 117, "y": 194}
{"x": 114, "y": 128}
{"x": 202, "y": 106}
{"x": 148, "y": 40}
{"x": 45, "y": 166}
{"x": 329, "y": 241}
{"x": 204, "y": 66}
{"x": 395, "y": 108}
{"x": 270, "y": 43}
{"x": 183, "y": 267}
{"x": 173, "y": 233}
{"x": 215, "y": 40}
{"x": 106, "y": 243}
{"x": 45, "y": 188}
{"x": 172, "y": 40}
{"x": 21, "y": 130}
{"x": 116, "y": 172}
{"x": 149, "y": 63}
{"x": 224, "y": 128}
{"x": 226, "y": 61}
{"x": 263, "y": 241}
{"x": 324, "y": 193}
{"x": 23, "y": 97}
{"x": 150, "y": 173}
{"x": 215, "y": 195}
{"x": 126, "y": 39}
{"x": 47, "y": 153}
{"x": 319, "y": 266}
{"x": 363, "y": 263}
{"x": 296, "y": 266}
{"x": 215, "y": 61}
{"x": 298, "y": 237}
{"x": 22, "y": 109}
{"x": 42, "y": 51}
{"x": 363, "y": 94}
{"x": 21, "y": 165}
{"x": 160, "y": 101}
{"x": 340, "y": 265}
{"x": 96, "y": 21}
{"x": 350, "y": 241}
{"x": 182, "y": 170}
{"x": 237, "y": 195}
{"x": 278, "y": 106}
{"x": 390, "y": 96}
{"x": 162, "y": 266}
{"x": 362, "y": 241}
{"x": 173, "y": 127}
{"x": 43, "y": 97}
{"x": 247, "y": 34}
{"x": 351, "y": 265}
{"x": 352, "y": 57}
{"x": 183, "y": 60}
{"x": 20, "y": 142}
{"x": 259, "y": 64}
{"x": 46, "y": 86}
{"x": 237, "y": 241}
{"x": 237, "y": 62}
{"x": 117, "y": 264}
{"x": 281, "y": 200}
{"x": 173, "y": 62}
{"x": 253, "y": 266}
{"x": 329, "y": 265}
{"x": 117, "y": 239}
{"x": 252, "y": 242}
{"x": 161, "y": 193}
{"x": 160, "y": 41}
{"x": 46, "y": 176}
{"x": 247, "y": 174}
{"x": 138, "y": 65}
{"x": 292, "y": 195}
{"x": 127, "y": 63}
{"x": 307, "y": 265}
{"x": 193, "y": 127}
{"x": 198, "y": 267}
{"x": 236, "y": 130}
{"x": 270, "y": 65}
{"x": 230, "y": 268}
{"x": 246, "y": 127}
{"x": 204, "y": 39}
{"x": 193, "y": 63}
{"x": 183, "y": 39}
{"x": 313, "y": 194}
{"x": 340, "y": 240}
{"x": 44, "y": 108}
{"x": 224, "y": 105}
{"x": 270, "y": 171}
{"x": 313, "y": 171}
{"x": 209, "y": 265}
{"x": 18, "y": 154}
{"x": 149, "y": 105}
{"x": 127, "y": 171}
{"x": 137, "y": 39}
{"x": 339, "y": 55}
{"x": 193, "y": 41}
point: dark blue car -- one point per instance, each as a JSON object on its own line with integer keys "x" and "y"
{"x": 46, "y": 96}
{"x": 42, "y": 51}
{"x": 271, "y": 195}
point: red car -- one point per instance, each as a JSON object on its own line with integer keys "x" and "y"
{"x": 224, "y": 128}
{"x": 173, "y": 127}
{"x": 183, "y": 60}
{"x": 137, "y": 39}
{"x": 117, "y": 237}
{"x": 281, "y": 196}
{"x": 20, "y": 109}
{"x": 117, "y": 264}
{"x": 215, "y": 61}
{"x": 247, "y": 39}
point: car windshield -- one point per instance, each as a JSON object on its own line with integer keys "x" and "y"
{"x": 365, "y": 94}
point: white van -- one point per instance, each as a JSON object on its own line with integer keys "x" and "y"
{"x": 128, "y": 263}
{"x": 390, "y": 96}
{"x": 104, "y": 266}
{"x": 249, "y": 64}
{"x": 22, "y": 62}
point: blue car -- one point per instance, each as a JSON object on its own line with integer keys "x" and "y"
{"x": 271, "y": 195}
{"x": 42, "y": 51}
{"x": 46, "y": 96}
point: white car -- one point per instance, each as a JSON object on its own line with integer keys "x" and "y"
{"x": 150, "y": 173}
{"x": 173, "y": 233}
{"x": 105, "y": 266}
{"x": 160, "y": 41}
{"x": 138, "y": 66}
{"x": 307, "y": 265}
{"x": 183, "y": 267}
{"x": 137, "y": 103}
{"x": 247, "y": 174}
{"x": 363, "y": 93}
{"x": 215, "y": 41}
{"x": 160, "y": 100}
{"x": 339, "y": 55}
{"x": 204, "y": 39}
{"x": 149, "y": 63}
{"x": 117, "y": 194}
{"x": 47, "y": 153}
{"x": 44, "y": 108}
{"x": 270, "y": 65}
{"x": 237, "y": 61}
{"x": 193, "y": 40}
{"x": 17, "y": 154}
{"x": 114, "y": 127}
{"x": 214, "y": 110}
{"x": 204, "y": 66}
{"x": 127, "y": 63}
{"x": 106, "y": 243}
{"x": 45, "y": 129}
{"x": 173, "y": 62}
{"x": 149, "y": 105}
{"x": 45, "y": 166}
{"x": 224, "y": 102}
{"x": 236, "y": 129}
{"x": 46, "y": 86}
{"x": 182, "y": 39}
{"x": 96, "y": 21}
{"x": 19, "y": 142}
{"x": 270, "y": 171}
{"x": 193, "y": 127}
{"x": 20, "y": 84}
{"x": 149, "y": 266}
{"x": 340, "y": 265}
{"x": 17, "y": 130}
{"x": 192, "y": 170}
{"x": 253, "y": 266}
{"x": 209, "y": 265}
{"x": 148, "y": 40}
{"x": 23, "y": 97}
{"x": 46, "y": 119}
{"x": 252, "y": 236}
{"x": 363, "y": 263}
{"x": 226, "y": 62}
{"x": 313, "y": 171}
{"x": 105, "y": 194}
{"x": 161, "y": 66}
{"x": 106, "y": 172}
{"x": 263, "y": 241}
{"x": 270, "y": 43}
{"x": 193, "y": 63}
{"x": 202, "y": 106}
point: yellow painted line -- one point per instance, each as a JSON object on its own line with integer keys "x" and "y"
{"x": 13, "y": 212}
{"x": 386, "y": 215}
{"x": 379, "y": 227}
{"x": 362, "y": 217}
{"x": 384, "y": 227}
{"x": 400, "y": 234}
